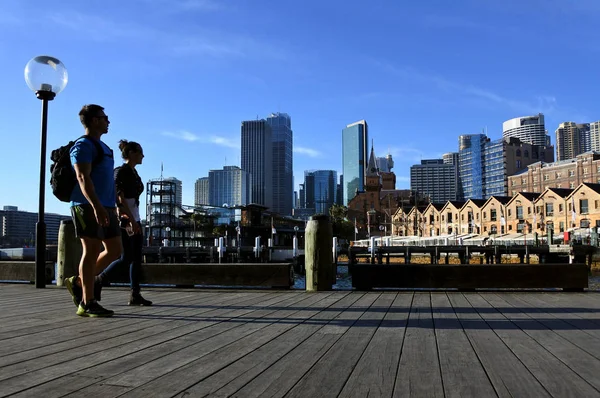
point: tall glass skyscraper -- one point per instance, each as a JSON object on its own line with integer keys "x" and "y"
{"x": 470, "y": 165}
{"x": 283, "y": 174}
{"x": 230, "y": 186}
{"x": 201, "y": 192}
{"x": 257, "y": 159}
{"x": 355, "y": 138}
{"x": 321, "y": 186}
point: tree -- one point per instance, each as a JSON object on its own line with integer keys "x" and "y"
{"x": 342, "y": 228}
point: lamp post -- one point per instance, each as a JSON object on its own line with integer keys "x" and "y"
{"x": 46, "y": 76}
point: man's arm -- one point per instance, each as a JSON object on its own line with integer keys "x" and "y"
{"x": 82, "y": 171}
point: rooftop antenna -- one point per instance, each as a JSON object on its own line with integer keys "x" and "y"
{"x": 161, "y": 171}
{"x": 225, "y": 160}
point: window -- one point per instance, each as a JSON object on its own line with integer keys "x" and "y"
{"x": 518, "y": 152}
{"x": 560, "y": 208}
{"x": 585, "y": 170}
{"x": 571, "y": 173}
{"x": 462, "y": 217}
{"x": 562, "y": 226}
{"x": 595, "y": 204}
{"x": 558, "y": 175}
{"x": 493, "y": 214}
{"x": 526, "y": 153}
{"x": 519, "y": 212}
{"x": 528, "y": 210}
{"x": 572, "y": 185}
{"x": 534, "y": 179}
{"x": 584, "y": 223}
{"x": 518, "y": 165}
{"x": 550, "y": 209}
{"x": 583, "y": 206}
{"x": 509, "y": 212}
{"x": 546, "y": 177}
{"x": 513, "y": 183}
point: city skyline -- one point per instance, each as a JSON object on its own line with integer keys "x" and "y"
{"x": 179, "y": 76}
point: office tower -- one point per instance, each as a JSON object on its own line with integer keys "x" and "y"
{"x": 595, "y": 136}
{"x": 301, "y": 197}
{"x": 354, "y": 158}
{"x": 585, "y": 138}
{"x": 385, "y": 163}
{"x": 257, "y": 159}
{"x": 230, "y": 186}
{"x": 572, "y": 139}
{"x": 201, "y": 190}
{"x": 283, "y": 179}
{"x": 17, "y": 227}
{"x": 450, "y": 158}
{"x": 470, "y": 165}
{"x": 321, "y": 185}
{"x": 178, "y": 188}
{"x": 484, "y": 165}
{"x": 339, "y": 196}
{"x": 528, "y": 129}
{"x": 435, "y": 179}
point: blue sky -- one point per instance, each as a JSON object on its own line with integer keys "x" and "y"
{"x": 180, "y": 75}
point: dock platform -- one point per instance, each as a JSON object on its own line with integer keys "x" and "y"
{"x": 265, "y": 343}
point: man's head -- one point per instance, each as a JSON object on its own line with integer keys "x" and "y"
{"x": 94, "y": 119}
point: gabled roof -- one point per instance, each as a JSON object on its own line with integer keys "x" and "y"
{"x": 593, "y": 187}
{"x": 531, "y": 196}
{"x": 562, "y": 192}
{"x": 456, "y": 203}
{"x": 438, "y": 206}
{"x": 477, "y": 202}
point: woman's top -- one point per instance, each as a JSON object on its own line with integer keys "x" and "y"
{"x": 129, "y": 183}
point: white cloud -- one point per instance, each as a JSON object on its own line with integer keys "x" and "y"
{"x": 540, "y": 103}
{"x": 182, "y": 135}
{"x": 207, "y": 139}
{"x": 307, "y": 151}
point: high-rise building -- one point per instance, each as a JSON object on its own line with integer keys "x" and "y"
{"x": 301, "y": 197}
{"x": 355, "y": 138}
{"x": 450, "y": 158}
{"x": 230, "y": 186}
{"x": 201, "y": 190}
{"x": 339, "y": 196}
{"x": 178, "y": 194}
{"x": 323, "y": 186}
{"x": 595, "y": 136}
{"x": 470, "y": 165}
{"x": 283, "y": 175}
{"x": 435, "y": 179}
{"x": 17, "y": 227}
{"x": 572, "y": 139}
{"x": 484, "y": 165}
{"x": 385, "y": 163}
{"x": 257, "y": 159}
{"x": 528, "y": 129}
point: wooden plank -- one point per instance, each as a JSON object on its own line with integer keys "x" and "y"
{"x": 29, "y": 359}
{"x": 328, "y": 376}
{"x": 240, "y": 372}
{"x": 585, "y": 319}
{"x": 469, "y": 276}
{"x": 176, "y": 371}
{"x": 419, "y": 372}
{"x": 279, "y": 378}
{"x": 375, "y": 373}
{"x": 554, "y": 375}
{"x": 62, "y": 318}
{"x": 462, "y": 372}
{"x": 507, "y": 373}
{"x": 66, "y": 363}
{"x": 577, "y": 359}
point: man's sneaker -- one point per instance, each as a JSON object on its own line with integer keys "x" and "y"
{"x": 137, "y": 299}
{"x": 94, "y": 310}
{"x": 76, "y": 291}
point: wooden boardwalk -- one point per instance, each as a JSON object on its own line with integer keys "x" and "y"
{"x": 249, "y": 343}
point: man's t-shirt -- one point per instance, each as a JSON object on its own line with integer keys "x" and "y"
{"x": 84, "y": 151}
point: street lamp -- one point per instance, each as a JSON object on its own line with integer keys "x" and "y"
{"x": 46, "y": 76}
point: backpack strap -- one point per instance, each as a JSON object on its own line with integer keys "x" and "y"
{"x": 99, "y": 150}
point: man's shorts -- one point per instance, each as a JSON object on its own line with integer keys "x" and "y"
{"x": 86, "y": 225}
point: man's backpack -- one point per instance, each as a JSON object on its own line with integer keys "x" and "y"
{"x": 62, "y": 175}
